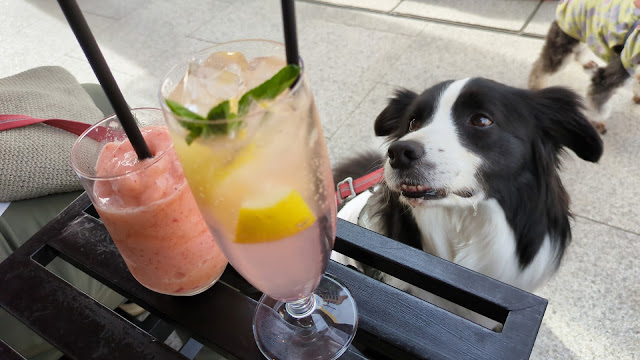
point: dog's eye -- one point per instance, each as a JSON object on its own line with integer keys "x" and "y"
{"x": 413, "y": 124}
{"x": 480, "y": 120}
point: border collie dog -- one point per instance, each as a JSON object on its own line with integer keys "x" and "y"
{"x": 471, "y": 175}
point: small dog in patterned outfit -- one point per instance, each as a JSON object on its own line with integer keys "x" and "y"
{"x": 611, "y": 30}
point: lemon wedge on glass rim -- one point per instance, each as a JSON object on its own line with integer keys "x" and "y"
{"x": 273, "y": 218}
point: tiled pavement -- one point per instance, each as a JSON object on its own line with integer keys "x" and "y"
{"x": 356, "y": 52}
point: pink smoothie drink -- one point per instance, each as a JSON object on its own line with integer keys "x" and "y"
{"x": 152, "y": 217}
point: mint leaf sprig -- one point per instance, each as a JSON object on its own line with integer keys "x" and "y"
{"x": 268, "y": 90}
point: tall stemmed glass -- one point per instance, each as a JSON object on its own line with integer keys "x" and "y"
{"x": 263, "y": 183}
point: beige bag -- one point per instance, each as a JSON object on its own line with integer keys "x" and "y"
{"x": 34, "y": 160}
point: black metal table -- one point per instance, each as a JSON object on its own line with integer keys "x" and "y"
{"x": 392, "y": 324}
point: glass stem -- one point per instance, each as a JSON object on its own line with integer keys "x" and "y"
{"x": 303, "y": 307}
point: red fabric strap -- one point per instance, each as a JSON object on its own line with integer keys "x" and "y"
{"x": 8, "y": 122}
{"x": 15, "y": 121}
{"x": 343, "y": 190}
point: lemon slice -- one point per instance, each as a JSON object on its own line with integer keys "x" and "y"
{"x": 205, "y": 167}
{"x": 273, "y": 220}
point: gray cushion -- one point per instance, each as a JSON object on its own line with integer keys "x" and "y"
{"x": 35, "y": 158}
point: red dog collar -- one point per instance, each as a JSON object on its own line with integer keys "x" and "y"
{"x": 348, "y": 188}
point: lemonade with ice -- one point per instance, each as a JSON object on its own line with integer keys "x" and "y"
{"x": 259, "y": 171}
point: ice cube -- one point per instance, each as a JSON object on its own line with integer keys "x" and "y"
{"x": 176, "y": 94}
{"x": 216, "y": 79}
{"x": 206, "y": 87}
{"x": 221, "y": 84}
{"x": 233, "y": 61}
{"x": 261, "y": 69}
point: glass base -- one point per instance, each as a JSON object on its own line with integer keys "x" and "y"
{"x": 324, "y": 334}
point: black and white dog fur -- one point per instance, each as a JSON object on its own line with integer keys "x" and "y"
{"x": 471, "y": 175}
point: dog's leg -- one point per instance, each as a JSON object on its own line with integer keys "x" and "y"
{"x": 636, "y": 89}
{"x": 554, "y": 55}
{"x": 585, "y": 57}
{"x": 604, "y": 82}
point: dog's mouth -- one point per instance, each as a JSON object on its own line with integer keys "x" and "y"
{"x": 428, "y": 193}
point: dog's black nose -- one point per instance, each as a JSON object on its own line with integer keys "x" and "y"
{"x": 403, "y": 153}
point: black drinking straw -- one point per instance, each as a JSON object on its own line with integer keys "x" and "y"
{"x": 91, "y": 50}
{"x": 290, "y": 34}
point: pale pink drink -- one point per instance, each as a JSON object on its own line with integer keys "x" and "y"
{"x": 147, "y": 206}
{"x": 275, "y": 152}
{"x": 262, "y": 180}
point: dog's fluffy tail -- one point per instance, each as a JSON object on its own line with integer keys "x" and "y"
{"x": 357, "y": 166}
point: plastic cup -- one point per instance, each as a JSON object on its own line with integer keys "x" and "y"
{"x": 147, "y": 207}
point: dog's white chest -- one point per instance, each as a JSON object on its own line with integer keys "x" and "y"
{"x": 482, "y": 240}
{"x": 478, "y": 238}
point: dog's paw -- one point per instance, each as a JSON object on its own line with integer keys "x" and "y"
{"x": 598, "y": 115}
{"x": 590, "y": 65}
{"x": 600, "y": 127}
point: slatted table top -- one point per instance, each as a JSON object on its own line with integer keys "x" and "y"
{"x": 392, "y": 324}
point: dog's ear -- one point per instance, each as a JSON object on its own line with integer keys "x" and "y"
{"x": 562, "y": 120}
{"x": 386, "y": 122}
